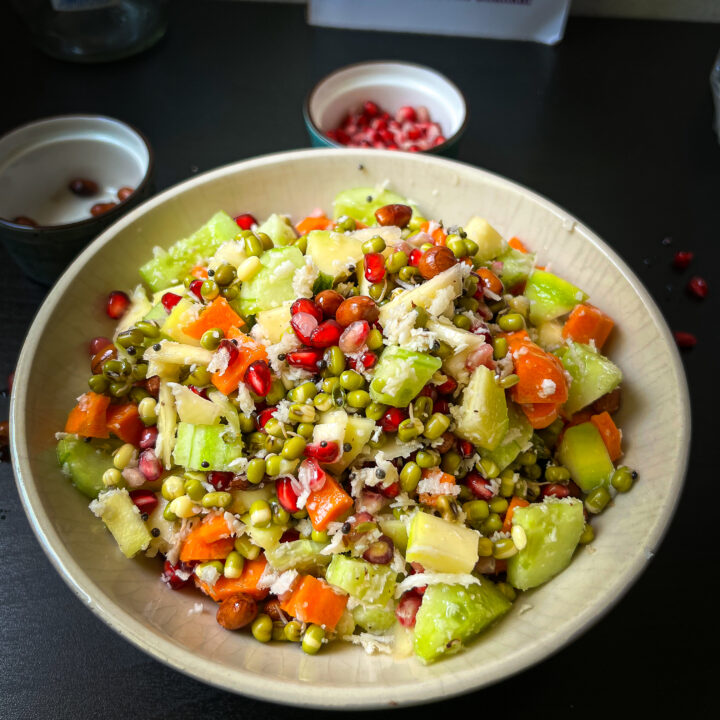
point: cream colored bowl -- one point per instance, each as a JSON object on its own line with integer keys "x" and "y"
{"x": 129, "y": 596}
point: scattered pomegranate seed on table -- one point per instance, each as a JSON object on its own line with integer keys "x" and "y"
{"x": 698, "y": 287}
{"x": 682, "y": 259}
{"x": 685, "y": 340}
{"x": 410, "y": 129}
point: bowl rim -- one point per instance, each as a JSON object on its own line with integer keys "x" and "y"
{"x": 302, "y": 694}
{"x": 115, "y": 212}
{"x": 449, "y": 141}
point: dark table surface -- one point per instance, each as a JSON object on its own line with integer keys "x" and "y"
{"x": 615, "y": 124}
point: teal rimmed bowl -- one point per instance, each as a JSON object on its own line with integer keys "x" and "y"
{"x": 391, "y": 85}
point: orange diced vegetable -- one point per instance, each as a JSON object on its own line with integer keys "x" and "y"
{"x": 89, "y": 417}
{"x": 586, "y": 323}
{"x": 541, "y": 375}
{"x": 200, "y": 272}
{"x": 247, "y": 582}
{"x": 540, "y": 415}
{"x": 490, "y": 280}
{"x": 438, "y": 235}
{"x": 517, "y": 244}
{"x": 248, "y": 352}
{"x": 432, "y": 498}
{"x": 328, "y": 504}
{"x": 310, "y": 223}
{"x": 314, "y": 601}
{"x": 611, "y": 435}
{"x": 218, "y": 314}
{"x": 516, "y": 502}
{"x": 124, "y": 421}
{"x": 208, "y": 541}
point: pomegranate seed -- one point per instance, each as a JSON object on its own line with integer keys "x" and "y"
{"x": 342, "y": 137}
{"x": 448, "y": 387}
{"x": 353, "y": 338}
{"x": 573, "y": 489}
{"x": 482, "y": 355}
{"x": 176, "y": 576}
{"x": 148, "y": 437}
{"x": 220, "y": 480}
{"x": 392, "y": 418}
{"x": 304, "y": 305}
{"x": 413, "y": 133}
{"x": 698, "y": 287}
{"x": 422, "y": 113}
{"x": 372, "y": 501}
{"x": 326, "y": 334}
{"x": 441, "y": 406}
{"x": 682, "y": 259}
{"x": 407, "y": 608}
{"x": 362, "y": 121}
{"x": 479, "y": 486}
{"x": 685, "y": 340}
{"x": 245, "y": 221}
{"x": 145, "y": 500}
{"x": 380, "y": 552}
{"x": 200, "y": 392}
{"x": 117, "y": 304}
{"x": 304, "y": 324}
{"x": 374, "y": 267}
{"x": 307, "y": 359}
{"x": 149, "y": 465}
{"x": 368, "y": 359}
{"x": 439, "y": 140}
{"x": 99, "y": 343}
{"x": 406, "y": 114}
{"x": 195, "y": 288}
{"x": 310, "y": 475}
{"x": 264, "y": 416}
{"x": 555, "y": 490}
{"x": 466, "y": 448}
{"x": 415, "y": 256}
{"x": 230, "y": 348}
{"x": 428, "y": 391}
{"x": 287, "y": 497}
{"x": 169, "y": 300}
{"x": 290, "y": 535}
{"x": 371, "y": 108}
{"x": 259, "y": 378}
{"x": 325, "y": 451}
{"x": 390, "y": 491}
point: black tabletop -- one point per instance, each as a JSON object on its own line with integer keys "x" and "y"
{"x": 614, "y": 124}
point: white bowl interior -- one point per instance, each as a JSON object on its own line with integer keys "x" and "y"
{"x": 37, "y": 162}
{"x": 128, "y": 594}
{"x": 390, "y": 85}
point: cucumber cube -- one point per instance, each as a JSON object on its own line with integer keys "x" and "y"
{"x": 273, "y": 285}
{"x": 372, "y": 584}
{"x": 122, "y": 518}
{"x": 395, "y": 529}
{"x": 482, "y": 418}
{"x": 583, "y": 452}
{"x": 553, "y": 529}
{"x": 357, "y": 433}
{"x": 452, "y": 614}
{"x": 301, "y": 555}
{"x": 204, "y": 448}
{"x": 516, "y": 267}
{"x": 550, "y": 296}
{"x": 373, "y": 618}
{"x": 279, "y": 229}
{"x": 84, "y": 463}
{"x": 441, "y": 546}
{"x": 593, "y": 375}
{"x": 169, "y": 268}
{"x": 401, "y": 374}
{"x": 515, "y": 441}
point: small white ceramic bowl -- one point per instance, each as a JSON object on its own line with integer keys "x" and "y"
{"x": 128, "y": 594}
{"x": 38, "y": 161}
{"x": 391, "y": 85}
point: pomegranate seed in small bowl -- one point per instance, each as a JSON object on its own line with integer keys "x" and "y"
{"x": 430, "y": 118}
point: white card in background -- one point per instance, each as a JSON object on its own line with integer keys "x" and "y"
{"x": 539, "y": 20}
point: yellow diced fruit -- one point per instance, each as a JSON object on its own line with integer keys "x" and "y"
{"x": 181, "y": 316}
{"x": 488, "y": 239}
{"x": 274, "y": 322}
{"x": 193, "y": 409}
{"x": 441, "y": 546}
{"x": 123, "y": 520}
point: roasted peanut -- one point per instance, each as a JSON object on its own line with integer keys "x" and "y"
{"x": 237, "y": 611}
{"x": 394, "y": 215}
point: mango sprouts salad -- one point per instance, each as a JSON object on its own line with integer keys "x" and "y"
{"x": 376, "y": 429}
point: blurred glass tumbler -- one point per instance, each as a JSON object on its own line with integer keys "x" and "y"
{"x": 94, "y": 30}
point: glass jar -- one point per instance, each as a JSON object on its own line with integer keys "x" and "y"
{"x": 93, "y": 30}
